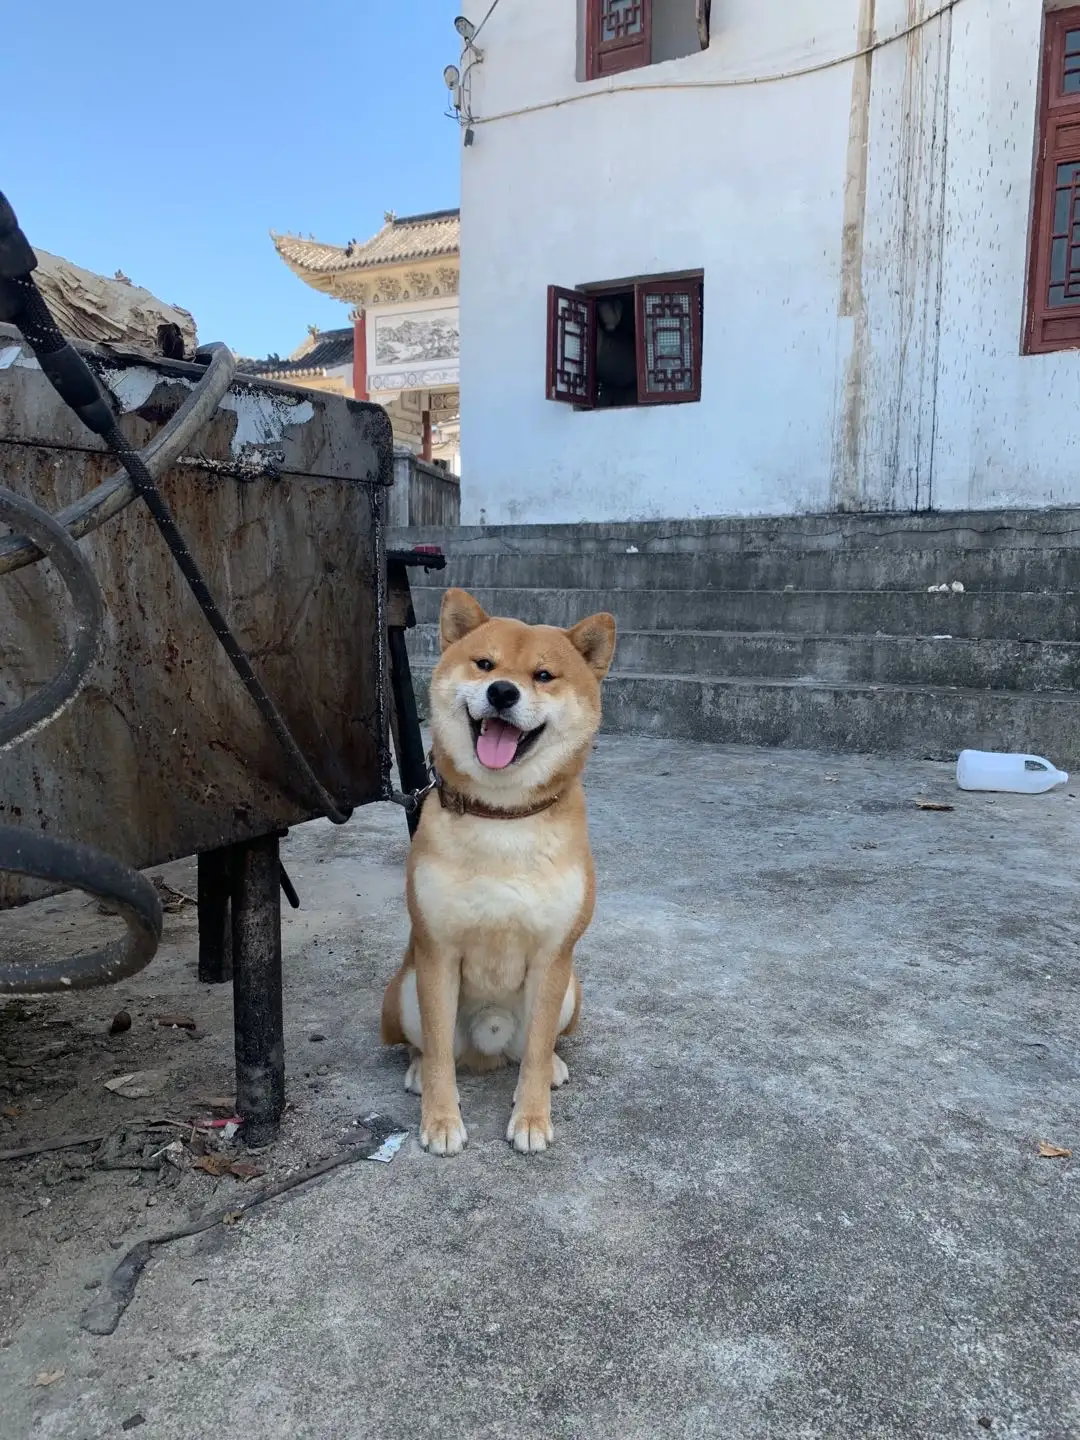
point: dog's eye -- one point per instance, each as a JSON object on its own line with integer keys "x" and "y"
{"x": 485, "y": 664}
{"x": 543, "y": 677}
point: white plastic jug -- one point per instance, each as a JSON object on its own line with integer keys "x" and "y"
{"x": 1017, "y": 774}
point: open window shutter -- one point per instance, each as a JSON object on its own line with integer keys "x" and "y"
{"x": 668, "y": 341}
{"x": 619, "y": 36}
{"x": 704, "y": 9}
{"x": 571, "y": 347}
{"x": 1053, "y": 321}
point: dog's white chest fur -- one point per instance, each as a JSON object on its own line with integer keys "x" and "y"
{"x": 501, "y": 894}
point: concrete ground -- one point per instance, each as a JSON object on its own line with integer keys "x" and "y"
{"x": 796, "y": 1188}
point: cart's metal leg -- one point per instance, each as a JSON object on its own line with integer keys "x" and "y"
{"x": 215, "y": 923}
{"x": 257, "y": 1006}
{"x": 408, "y": 741}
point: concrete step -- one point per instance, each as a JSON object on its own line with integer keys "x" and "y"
{"x": 919, "y": 722}
{"x": 839, "y": 659}
{"x": 971, "y": 616}
{"x": 980, "y": 529}
{"x": 995, "y": 568}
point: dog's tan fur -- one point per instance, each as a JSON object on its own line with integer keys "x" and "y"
{"x": 497, "y": 906}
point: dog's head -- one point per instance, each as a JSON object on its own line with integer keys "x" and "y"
{"x": 514, "y": 707}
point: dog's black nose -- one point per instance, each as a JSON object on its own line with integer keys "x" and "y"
{"x": 503, "y": 695}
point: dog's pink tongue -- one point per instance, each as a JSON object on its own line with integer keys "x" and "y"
{"x": 497, "y": 744}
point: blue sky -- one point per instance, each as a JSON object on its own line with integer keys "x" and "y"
{"x": 174, "y": 137}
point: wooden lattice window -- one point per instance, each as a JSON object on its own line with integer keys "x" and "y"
{"x": 668, "y": 341}
{"x": 571, "y": 347}
{"x": 618, "y": 36}
{"x": 652, "y": 326}
{"x": 1053, "y": 318}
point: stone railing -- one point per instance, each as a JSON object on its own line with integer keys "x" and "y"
{"x": 423, "y": 494}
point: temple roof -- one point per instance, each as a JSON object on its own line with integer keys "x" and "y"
{"x": 410, "y": 238}
{"x": 328, "y": 350}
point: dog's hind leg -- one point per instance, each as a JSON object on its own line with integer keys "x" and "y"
{"x": 392, "y": 1031}
{"x": 413, "y": 1033}
{"x": 569, "y": 1024}
{"x": 408, "y": 1018}
{"x": 568, "y": 1021}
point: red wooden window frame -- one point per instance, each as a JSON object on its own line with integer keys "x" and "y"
{"x": 571, "y": 322}
{"x": 1055, "y": 327}
{"x": 659, "y": 385}
{"x": 571, "y": 377}
{"x": 610, "y": 57}
{"x": 703, "y": 16}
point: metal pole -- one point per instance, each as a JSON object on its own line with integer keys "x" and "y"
{"x": 215, "y": 924}
{"x": 257, "y": 1005}
{"x": 408, "y": 740}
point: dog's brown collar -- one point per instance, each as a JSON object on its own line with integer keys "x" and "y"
{"x": 459, "y": 804}
{"x": 462, "y": 805}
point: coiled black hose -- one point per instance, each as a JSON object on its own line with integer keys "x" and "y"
{"x": 64, "y": 862}
{"x": 80, "y": 867}
{"x": 53, "y": 540}
{"x": 112, "y": 495}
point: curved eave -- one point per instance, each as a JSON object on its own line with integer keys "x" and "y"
{"x": 325, "y": 281}
{"x": 313, "y": 256}
{"x": 356, "y": 285}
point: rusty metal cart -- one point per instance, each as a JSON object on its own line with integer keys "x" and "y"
{"x": 229, "y": 669}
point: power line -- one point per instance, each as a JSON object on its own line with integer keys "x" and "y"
{"x": 487, "y": 17}
{"x": 733, "y": 83}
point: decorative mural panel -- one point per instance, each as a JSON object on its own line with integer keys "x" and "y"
{"x": 414, "y": 349}
{"x": 420, "y": 337}
{"x": 412, "y": 379}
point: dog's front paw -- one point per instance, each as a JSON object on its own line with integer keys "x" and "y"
{"x": 442, "y": 1132}
{"x": 530, "y": 1131}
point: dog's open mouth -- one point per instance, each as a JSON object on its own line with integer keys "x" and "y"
{"x": 499, "y": 744}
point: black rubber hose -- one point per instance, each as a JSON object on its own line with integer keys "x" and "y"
{"x": 113, "y": 495}
{"x": 53, "y": 541}
{"x": 81, "y": 867}
{"x": 64, "y": 862}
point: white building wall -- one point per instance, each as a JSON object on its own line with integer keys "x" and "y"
{"x": 863, "y": 305}
{"x": 1008, "y": 425}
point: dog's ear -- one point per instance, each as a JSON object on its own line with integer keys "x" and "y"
{"x": 594, "y": 640}
{"x": 460, "y": 616}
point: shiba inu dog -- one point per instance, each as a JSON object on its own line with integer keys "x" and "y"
{"x": 500, "y": 882}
